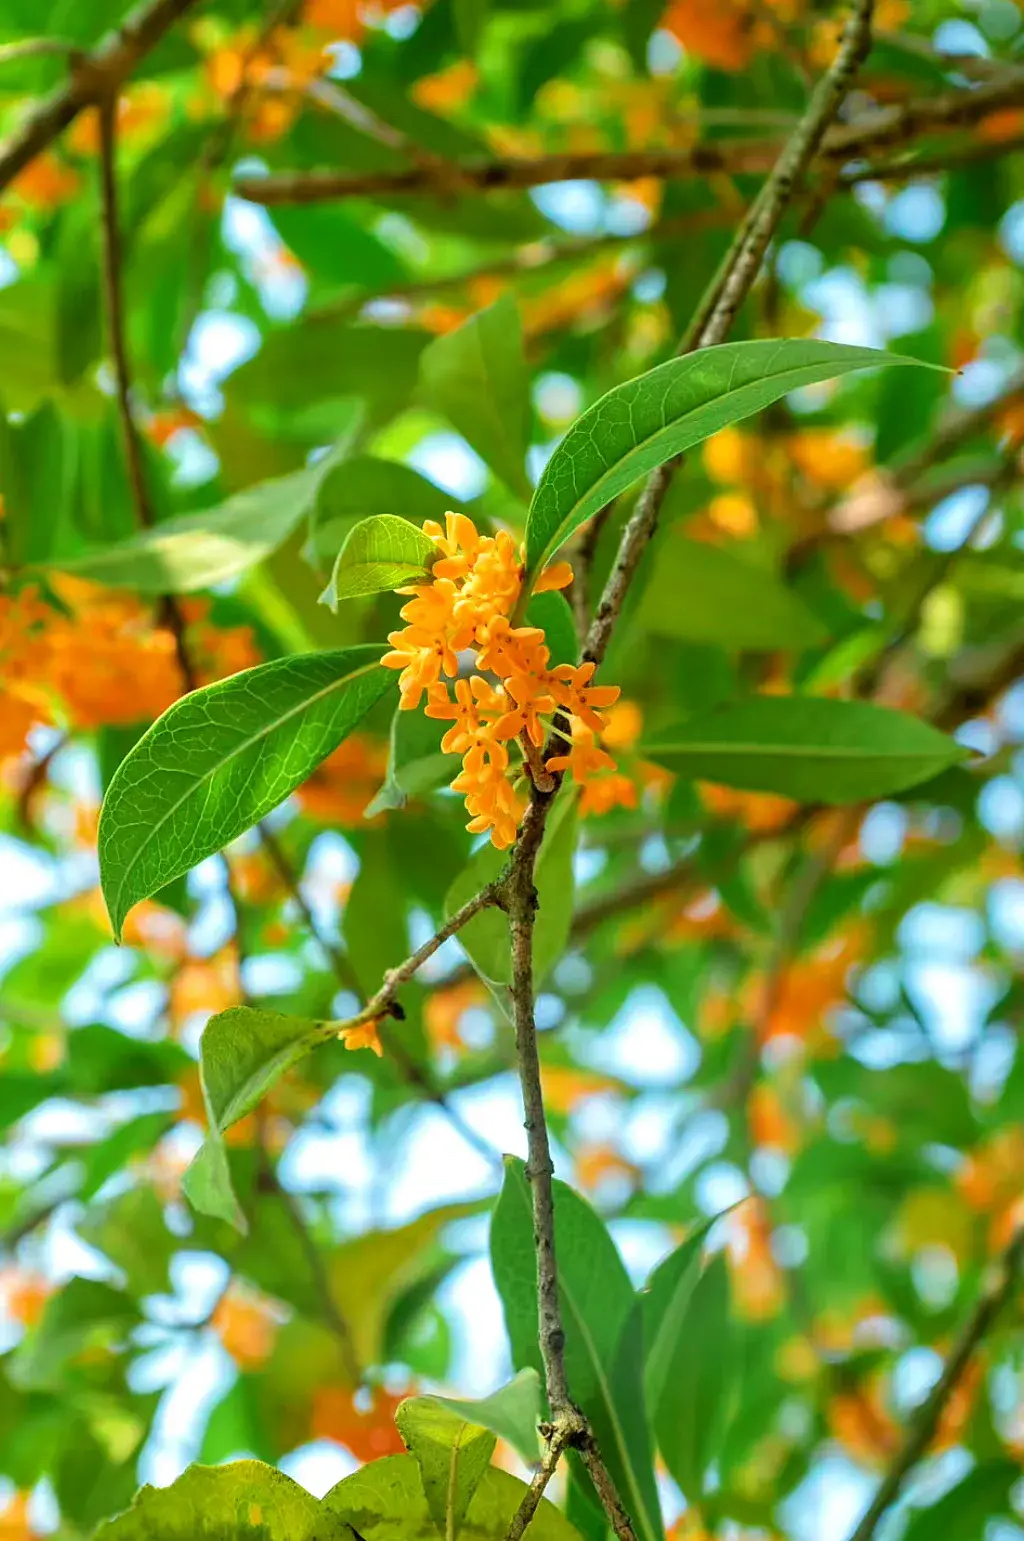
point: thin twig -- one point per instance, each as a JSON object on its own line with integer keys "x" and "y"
{"x": 925, "y": 1422}
{"x": 879, "y": 129}
{"x": 557, "y": 1439}
{"x": 93, "y": 78}
{"x": 729, "y": 287}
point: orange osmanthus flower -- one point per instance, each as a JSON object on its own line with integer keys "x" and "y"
{"x": 512, "y": 693}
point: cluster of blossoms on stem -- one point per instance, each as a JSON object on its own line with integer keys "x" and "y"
{"x": 460, "y": 627}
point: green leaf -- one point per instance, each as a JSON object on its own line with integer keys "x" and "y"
{"x": 362, "y": 485}
{"x": 665, "y": 1301}
{"x": 195, "y": 551}
{"x": 552, "y": 613}
{"x": 809, "y": 748}
{"x": 485, "y": 937}
{"x": 704, "y": 593}
{"x": 131, "y": 1231}
{"x": 452, "y": 1455}
{"x": 208, "y": 1187}
{"x": 967, "y": 1510}
{"x": 244, "y": 1050}
{"x": 245, "y": 1500}
{"x": 415, "y": 762}
{"x": 690, "y": 1363}
{"x": 601, "y": 1316}
{"x": 86, "y": 1315}
{"x": 221, "y": 758}
{"x": 512, "y": 1412}
{"x": 477, "y": 377}
{"x": 385, "y": 1501}
{"x": 641, "y": 424}
{"x": 380, "y": 554}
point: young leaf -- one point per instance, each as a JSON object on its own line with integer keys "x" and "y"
{"x": 512, "y": 1412}
{"x": 244, "y": 1050}
{"x": 601, "y": 1317}
{"x": 641, "y": 424}
{"x": 704, "y": 593}
{"x": 477, "y": 377}
{"x": 385, "y": 1501}
{"x": 379, "y": 554}
{"x": 207, "y": 1183}
{"x": 810, "y": 748}
{"x": 195, "y": 551}
{"x": 452, "y": 1455}
{"x": 221, "y": 758}
{"x": 244, "y": 1499}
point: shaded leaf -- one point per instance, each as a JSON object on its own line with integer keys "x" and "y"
{"x": 809, "y": 748}
{"x": 705, "y": 593}
{"x": 512, "y": 1412}
{"x": 477, "y": 377}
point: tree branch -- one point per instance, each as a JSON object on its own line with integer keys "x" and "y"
{"x": 923, "y": 1425}
{"x": 726, "y": 293}
{"x": 518, "y": 893}
{"x": 114, "y": 299}
{"x": 881, "y": 129}
{"x": 94, "y": 77}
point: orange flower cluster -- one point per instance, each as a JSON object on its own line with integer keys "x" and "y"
{"x": 466, "y": 608}
{"x": 101, "y": 661}
{"x": 247, "y": 1323}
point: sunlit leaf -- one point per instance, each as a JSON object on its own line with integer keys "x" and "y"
{"x": 195, "y": 551}
{"x": 452, "y": 1453}
{"x": 222, "y": 757}
{"x": 244, "y": 1499}
{"x": 379, "y": 554}
{"x": 641, "y": 424}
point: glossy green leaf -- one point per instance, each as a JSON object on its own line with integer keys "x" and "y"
{"x": 477, "y": 377}
{"x": 601, "y": 1316}
{"x": 385, "y": 1501}
{"x": 641, "y": 424}
{"x": 244, "y": 1050}
{"x": 245, "y": 1500}
{"x": 452, "y": 1454}
{"x": 195, "y": 551}
{"x": 704, "y": 593}
{"x": 812, "y": 749}
{"x": 379, "y": 554}
{"x": 221, "y": 758}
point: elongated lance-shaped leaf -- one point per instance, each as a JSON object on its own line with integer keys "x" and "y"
{"x": 641, "y": 424}
{"x": 380, "y": 554}
{"x": 810, "y": 748}
{"x": 603, "y": 1338}
{"x": 221, "y": 758}
{"x": 194, "y": 551}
